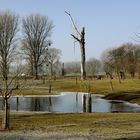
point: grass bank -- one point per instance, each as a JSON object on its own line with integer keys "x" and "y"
{"x": 128, "y": 89}
{"x": 90, "y": 125}
{"x": 93, "y": 86}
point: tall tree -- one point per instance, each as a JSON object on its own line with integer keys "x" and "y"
{"x": 132, "y": 58}
{"x": 8, "y": 31}
{"x": 116, "y": 58}
{"x": 81, "y": 39}
{"x": 37, "y": 30}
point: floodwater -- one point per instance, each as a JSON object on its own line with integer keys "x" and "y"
{"x": 67, "y": 102}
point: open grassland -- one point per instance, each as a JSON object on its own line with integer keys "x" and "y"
{"x": 93, "y": 86}
{"x": 98, "y": 86}
{"x": 75, "y": 125}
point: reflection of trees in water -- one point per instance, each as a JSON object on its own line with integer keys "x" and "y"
{"x": 55, "y": 103}
{"x": 35, "y": 104}
{"x": 122, "y": 107}
{"x": 57, "y": 99}
{"x": 49, "y": 103}
{"x": 76, "y": 101}
{"x": 17, "y": 103}
{"x": 87, "y": 103}
{"x": 84, "y": 103}
{"x": 41, "y": 103}
{"x": 67, "y": 103}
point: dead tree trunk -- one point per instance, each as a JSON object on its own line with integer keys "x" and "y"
{"x": 81, "y": 40}
{"x": 83, "y": 57}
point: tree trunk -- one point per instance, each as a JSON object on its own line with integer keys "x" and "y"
{"x": 111, "y": 85}
{"x": 83, "y": 57}
{"x": 36, "y": 72}
{"x": 6, "y": 115}
{"x": 132, "y": 74}
{"x": 31, "y": 66}
{"x": 110, "y": 82}
{"x": 32, "y": 70}
{"x": 63, "y": 70}
{"x": 118, "y": 74}
{"x": 51, "y": 70}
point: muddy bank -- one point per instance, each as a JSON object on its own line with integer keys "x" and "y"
{"x": 125, "y": 96}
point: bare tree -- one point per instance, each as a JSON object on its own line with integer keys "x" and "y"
{"x": 125, "y": 58}
{"x": 37, "y": 30}
{"x": 81, "y": 39}
{"x": 106, "y": 63}
{"x": 93, "y": 66}
{"x": 132, "y": 58}
{"x": 8, "y": 30}
{"x": 28, "y": 57}
{"x": 53, "y": 57}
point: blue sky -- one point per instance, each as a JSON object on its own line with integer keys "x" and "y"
{"x": 108, "y": 23}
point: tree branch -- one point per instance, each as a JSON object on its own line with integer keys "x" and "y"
{"x": 137, "y": 37}
{"x": 73, "y": 23}
{"x": 75, "y": 38}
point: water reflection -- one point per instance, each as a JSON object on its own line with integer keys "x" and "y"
{"x": 68, "y": 102}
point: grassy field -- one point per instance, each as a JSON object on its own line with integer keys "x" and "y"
{"x": 90, "y": 125}
{"x": 93, "y": 86}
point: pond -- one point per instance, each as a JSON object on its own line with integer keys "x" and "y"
{"x": 67, "y": 102}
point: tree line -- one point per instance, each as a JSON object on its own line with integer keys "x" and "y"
{"x": 122, "y": 61}
{"x": 39, "y": 58}
{"x": 28, "y": 42}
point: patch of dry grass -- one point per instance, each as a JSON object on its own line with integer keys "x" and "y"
{"x": 36, "y": 87}
{"x": 104, "y": 125}
{"x": 79, "y": 120}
